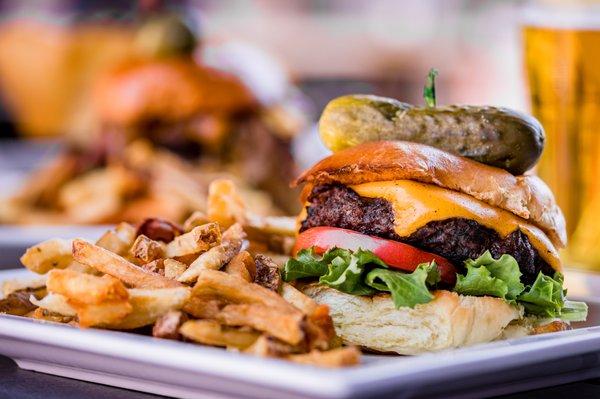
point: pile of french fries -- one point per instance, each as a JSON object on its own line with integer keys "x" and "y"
{"x": 204, "y": 282}
{"x": 142, "y": 181}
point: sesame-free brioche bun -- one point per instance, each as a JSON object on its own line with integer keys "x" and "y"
{"x": 526, "y": 196}
{"x": 448, "y": 321}
{"x": 167, "y": 90}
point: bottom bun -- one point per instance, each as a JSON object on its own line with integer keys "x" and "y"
{"x": 448, "y": 321}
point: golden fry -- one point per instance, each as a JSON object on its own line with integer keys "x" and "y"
{"x": 110, "y": 263}
{"x": 297, "y": 298}
{"x": 213, "y": 259}
{"x": 242, "y": 265}
{"x": 279, "y": 225}
{"x": 286, "y": 327}
{"x": 203, "y": 307}
{"x": 267, "y": 346}
{"x": 167, "y": 326}
{"x": 148, "y": 305}
{"x": 174, "y": 268}
{"x": 224, "y": 205}
{"x": 200, "y": 239}
{"x": 50, "y": 254}
{"x": 210, "y": 332}
{"x": 233, "y": 289}
{"x": 119, "y": 239}
{"x": 86, "y": 288}
{"x": 147, "y": 250}
{"x": 196, "y": 219}
{"x": 102, "y": 314}
{"x": 340, "y": 357}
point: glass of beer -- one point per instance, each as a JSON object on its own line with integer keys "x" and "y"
{"x": 562, "y": 61}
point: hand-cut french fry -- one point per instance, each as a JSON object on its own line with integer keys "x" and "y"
{"x": 319, "y": 329}
{"x": 167, "y": 326}
{"x": 50, "y": 254}
{"x": 213, "y": 283}
{"x": 200, "y": 239}
{"x": 210, "y": 332}
{"x": 224, "y": 205}
{"x": 148, "y": 305}
{"x": 174, "y": 268}
{"x": 96, "y": 300}
{"x": 235, "y": 232}
{"x": 267, "y": 346}
{"x": 102, "y": 314}
{"x": 242, "y": 265}
{"x": 86, "y": 288}
{"x": 147, "y": 250}
{"x": 213, "y": 259}
{"x": 156, "y": 266}
{"x": 297, "y": 298}
{"x": 54, "y": 303}
{"x": 196, "y": 219}
{"x": 118, "y": 240}
{"x": 110, "y": 263}
{"x": 97, "y": 195}
{"x": 280, "y": 225}
{"x": 341, "y": 357}
{"x": 10, "y": 286}
{"x": 81, "y": 268}
{"x": 203, "y": 307}
{"x": 286, "y": 327}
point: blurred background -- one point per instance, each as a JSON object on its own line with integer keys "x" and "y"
{"x": 75, "y": 78}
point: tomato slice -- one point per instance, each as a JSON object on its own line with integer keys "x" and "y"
{"x": 395, "y": 254}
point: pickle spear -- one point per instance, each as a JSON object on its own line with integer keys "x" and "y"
{"x": 494, "y": 136}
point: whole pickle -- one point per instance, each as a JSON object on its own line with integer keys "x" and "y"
{"x": 494, "y": 136}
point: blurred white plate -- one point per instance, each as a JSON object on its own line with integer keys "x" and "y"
{"x": 14, "y": 240}
{"x": 190, "y": 371}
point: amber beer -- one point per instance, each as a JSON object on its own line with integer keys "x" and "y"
{"x": 563, "y": 71}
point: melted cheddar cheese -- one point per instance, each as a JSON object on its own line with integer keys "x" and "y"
{"x": 416, "y": 204}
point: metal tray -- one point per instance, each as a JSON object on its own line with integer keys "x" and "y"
{"x": 190, "y": 371}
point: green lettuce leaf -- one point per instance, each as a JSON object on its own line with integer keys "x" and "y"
{"x": 347, "y": 269}
{"x": 574, "y": 311}
{"x": 406, "y": 289}
{"x": 545, "y": 297}
{"x": 488, "y": 276}
{"x": 305, "y": 264}
{"x": 479, "y": 282}
{"x": 338, "y": 268}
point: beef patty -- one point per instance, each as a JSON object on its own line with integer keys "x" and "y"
{"x": 456, "y": 239}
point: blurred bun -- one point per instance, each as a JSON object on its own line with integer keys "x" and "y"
{"x": 169, "y": 90}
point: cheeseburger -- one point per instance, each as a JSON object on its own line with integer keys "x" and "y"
{"x": 432, "y": 238}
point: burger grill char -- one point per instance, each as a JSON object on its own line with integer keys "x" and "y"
{"x": 456, "y": 239}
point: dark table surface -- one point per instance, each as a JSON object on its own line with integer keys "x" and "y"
{"x": 22, "y": 384}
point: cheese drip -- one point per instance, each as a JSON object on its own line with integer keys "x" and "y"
{"x": 416, "y": 204}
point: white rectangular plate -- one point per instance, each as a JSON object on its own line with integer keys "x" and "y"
{"x": 191, "y": 371}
